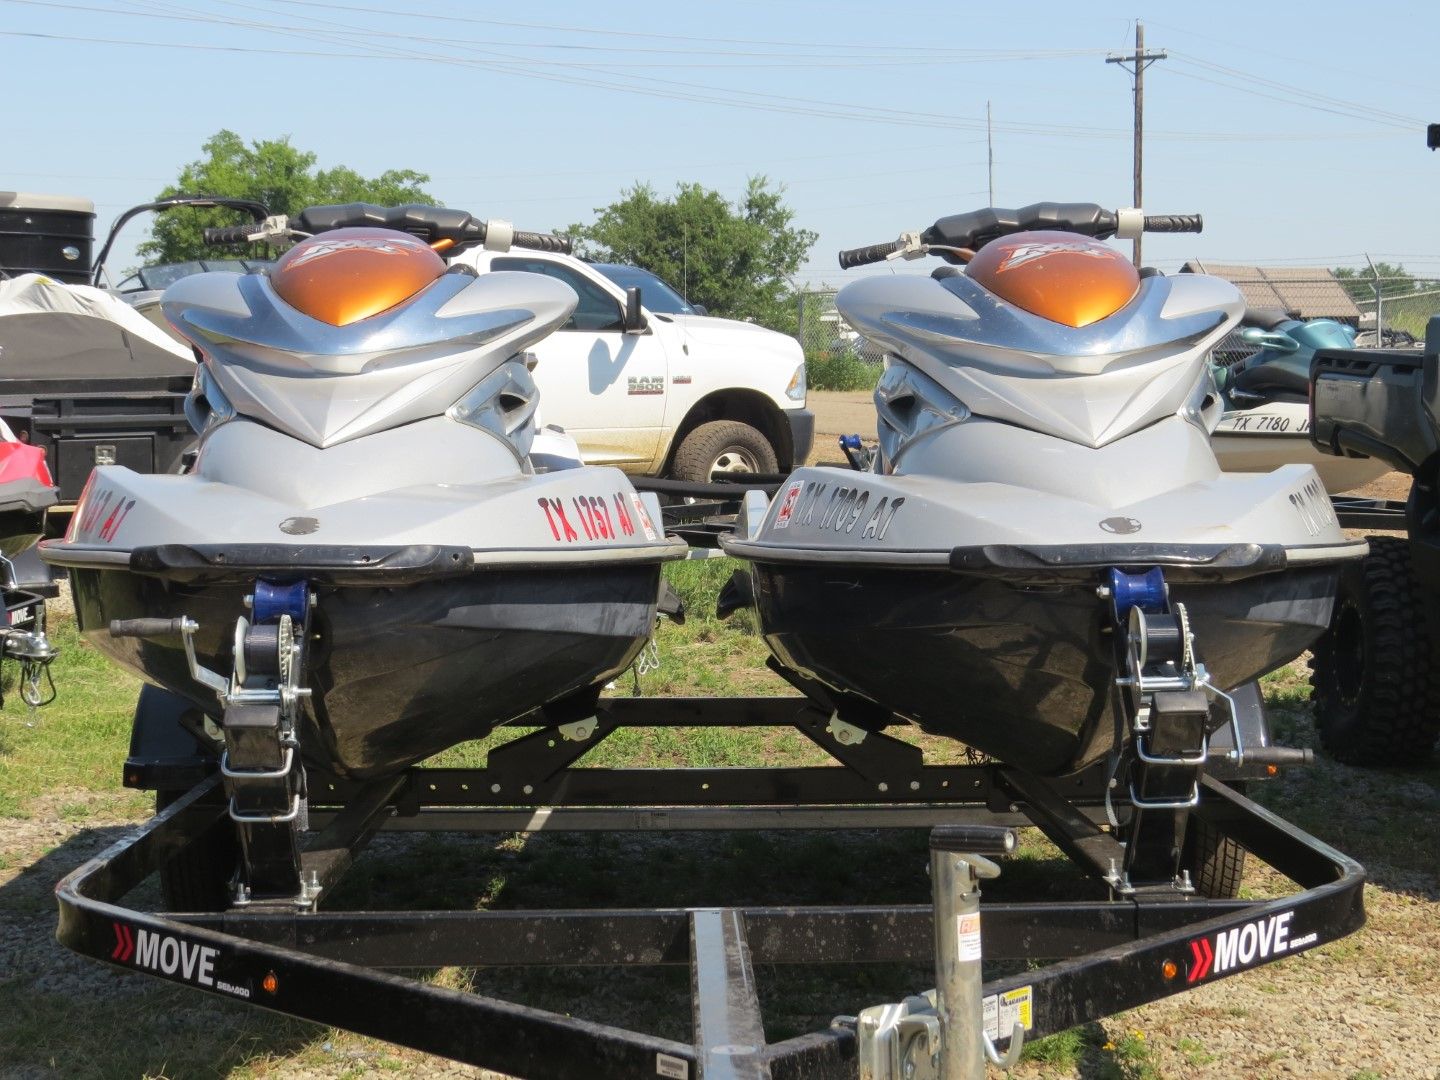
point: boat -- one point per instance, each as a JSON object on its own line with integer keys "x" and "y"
{"x": 375, "y": 542}
{"x": 1266, "y": 395}
{"x": 1045, "y": 507}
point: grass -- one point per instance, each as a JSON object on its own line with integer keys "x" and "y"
{"x": 63, "y": 1016}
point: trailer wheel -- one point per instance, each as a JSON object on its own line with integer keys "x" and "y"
{"x": 723, "y": 446}
{"x": 1216, "y": 863}
{"x": 198, "y": 878}
{"x": 1375, "y": 692}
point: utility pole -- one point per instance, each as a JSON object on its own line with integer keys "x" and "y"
{"x": 990, "y": 152}
{"x": 1141, "y": 59}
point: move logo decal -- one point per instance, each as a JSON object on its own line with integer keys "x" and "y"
{"x": 1243, "y": 946}
{"x": 172, "y": 957}
{"x": 124, "y": 943}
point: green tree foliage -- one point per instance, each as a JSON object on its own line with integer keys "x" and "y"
{"x": 270, "y": 171}
{"x": 735, "y": 259}
{"x": 1395, "y": 280}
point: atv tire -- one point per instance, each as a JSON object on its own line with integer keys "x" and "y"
{"x": 1216, "y": 863}
{"x": 1375, "y": 689}
{"x": 199, "y": 877}
{"x": 723, "y": 446}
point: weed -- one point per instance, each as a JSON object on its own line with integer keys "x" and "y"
{"x": 839, "y": 371}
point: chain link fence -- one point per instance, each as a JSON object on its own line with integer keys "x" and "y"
{"x": 1388, "y": 311}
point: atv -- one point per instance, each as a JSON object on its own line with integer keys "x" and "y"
{"x": 1375, "y": 675}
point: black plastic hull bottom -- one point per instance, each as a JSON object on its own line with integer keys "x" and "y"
{"x": 1022, "y": 673}
{"x": 399, "y": 674}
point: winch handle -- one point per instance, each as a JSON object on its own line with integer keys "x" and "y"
{"x": 146, "y": 628}
{"x": 1282, "y": 756}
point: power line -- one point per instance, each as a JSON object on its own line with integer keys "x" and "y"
{"x": 1142, "y": 60}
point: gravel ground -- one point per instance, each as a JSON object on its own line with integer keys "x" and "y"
{"x": 1367, "y": 1006}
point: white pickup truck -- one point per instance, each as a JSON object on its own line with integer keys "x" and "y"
{"x": 681, "y": 396}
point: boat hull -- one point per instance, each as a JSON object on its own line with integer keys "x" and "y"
{"x": 399, "y": 674}
{"x": 1023, "y": 672}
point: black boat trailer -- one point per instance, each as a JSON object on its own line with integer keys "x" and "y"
{"x": 293, "y": 957}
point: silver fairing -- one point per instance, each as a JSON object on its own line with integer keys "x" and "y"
{"x": 1089, "y": 385}
{"x": 328, "y": 384}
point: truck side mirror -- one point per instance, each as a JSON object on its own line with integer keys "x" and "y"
{"x": 634, "y": 317}
{"x": 699, "y": 309}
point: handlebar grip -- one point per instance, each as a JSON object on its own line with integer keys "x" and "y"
{"x": 1191, "y": 223}
{"x": 539, "y": 241}
{"x": 146, "y": 628}
{"x": 229, "y": 234}
{"x": 863, "y": 256}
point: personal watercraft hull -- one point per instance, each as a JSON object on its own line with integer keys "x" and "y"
{"x": 977, "y": 609}
{"x": 400, "y": 673}
{"x": 1021, "y": 671}
{"x": 1266, "y": 437}
{"x": 442, "y": 604}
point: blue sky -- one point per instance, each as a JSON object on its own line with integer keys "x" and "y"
{"x": 872, "y": 115}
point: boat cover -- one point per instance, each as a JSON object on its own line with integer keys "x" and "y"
{"x": 49, "y": 330}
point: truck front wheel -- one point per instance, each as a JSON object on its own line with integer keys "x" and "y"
{"x": 723, "y": 446}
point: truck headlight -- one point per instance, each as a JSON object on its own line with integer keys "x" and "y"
{"x": 796, "y": 390}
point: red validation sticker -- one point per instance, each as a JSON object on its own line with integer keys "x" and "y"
{"x": 787, "y": 504}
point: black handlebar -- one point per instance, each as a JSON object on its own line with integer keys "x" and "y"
{"x": 146, "y": 628}
{"x": 433, "y": 224}
{"x": 228, "y": 234}
{"x": 863, "y": 256}
{"x": 543, "y": 241}
{"x": 1174, "y": 223}
{"x": 977, "y": 228}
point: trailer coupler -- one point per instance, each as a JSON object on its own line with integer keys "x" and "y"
{"x": 330, "y": 967}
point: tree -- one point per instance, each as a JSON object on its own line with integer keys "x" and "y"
{"x": 736, "y": 260}
{"x": 1360, "y": 282}
{"x": 270, "y": 171}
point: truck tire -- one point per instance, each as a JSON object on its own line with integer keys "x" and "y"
{"x": 1216, "y": 863}
{"x": 198, "y": 877}
{"x": 723, "y": 446}
{"x": 1375, "y": 691}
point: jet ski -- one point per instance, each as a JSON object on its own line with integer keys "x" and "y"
{"x": 26, "y": 492}
{"x": 1266, "y": 395}
{"x": 376, "y": 553}
{"x": 1044, "y": 541}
